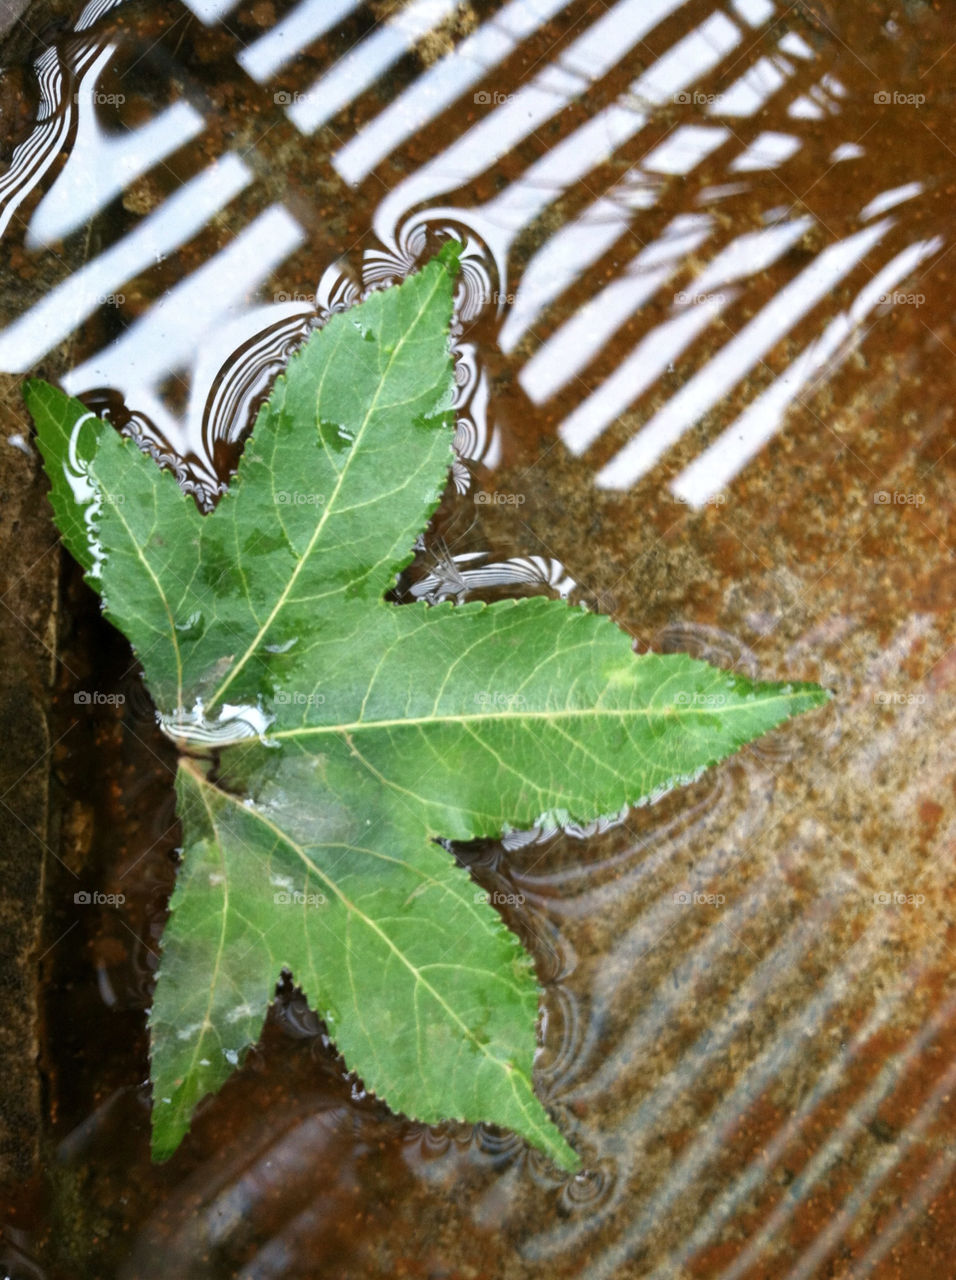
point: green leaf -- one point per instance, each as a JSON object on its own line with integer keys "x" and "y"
{"x": 354, "y": 733}
{"x": 417, "y": 979}
{"x": 312, "y": 517}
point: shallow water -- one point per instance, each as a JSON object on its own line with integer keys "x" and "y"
{"x": 706, "y": 337}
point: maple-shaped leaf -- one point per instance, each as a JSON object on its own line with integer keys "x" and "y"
{"x": 353, "y": 733}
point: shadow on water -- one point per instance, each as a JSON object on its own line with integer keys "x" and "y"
{"x": 704, "y": 343}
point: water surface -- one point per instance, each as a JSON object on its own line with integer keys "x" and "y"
{"x": 705, "y": 336}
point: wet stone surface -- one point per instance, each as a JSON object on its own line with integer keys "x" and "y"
{"x": 749, "y": 1007}
{"x": 28, "y": 588}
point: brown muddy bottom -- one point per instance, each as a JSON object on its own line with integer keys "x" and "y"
{"x": 705, "y": 347}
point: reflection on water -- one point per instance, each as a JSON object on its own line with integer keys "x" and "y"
{"x": 205, "y": 320}
{"x": 702, "y": 333}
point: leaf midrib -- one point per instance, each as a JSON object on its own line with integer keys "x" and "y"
{"x": 562, "y": 713}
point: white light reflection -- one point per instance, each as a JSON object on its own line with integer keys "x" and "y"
{"x": 638, "y": 371}
{"x": 308, "y": 21}
{"x": 755, "y": 87}
{"x": 684, "y": 149}
{"x": 890, "y": 199}
{"x": 576, "y": 343}
{"x": 714, "y": 469}
{"x": 711, "y": 383}
{"x": 588, "y": 58}
{"x": 185, "y": 322}
{"x": 767, "y": 151}
{"x": 210, "y": 11}
{"x": 753, "y": 12}
{"x": 571, "y": 249}
{"x": 66, "y": 306}
{"x": 442, "y": 84}
{"x": 363, "y": 65}
{"x": 101, "y": 165}
{"x": 750, "y": 253}
{"x": 54, "y": 119}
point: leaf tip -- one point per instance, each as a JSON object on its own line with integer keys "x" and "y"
{"x": 547, "y": 1137}
{"x": 817, "y": 694}
{"x": 450, "y": 257}
{"x": 167, "y": 1127}
{"x": 567, "y": 1159}
{"x": 31, "y": 389}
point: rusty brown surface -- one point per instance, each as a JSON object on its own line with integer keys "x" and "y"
{"x": 771, "y": 1076}
{"x": 29, "y": 560}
